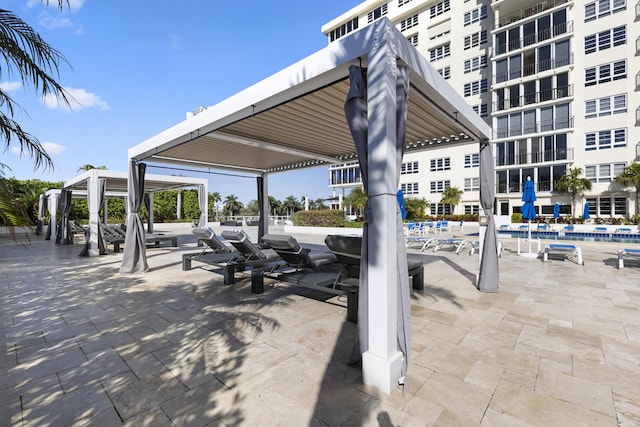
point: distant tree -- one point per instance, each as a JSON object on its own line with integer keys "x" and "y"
{"x": 416, "y": 207}
{"x": 319, "y": 204}
{"x": 291, "y": 204}
{"x": 214, "y": 198}
{"x": 357, "y": 199}
{"x": 451, "y": 196}
{"x": 573, "y": 184}
{"x": 232, "y": 205}
{"x": 274, "y": 206}
{"x": 252, "y": 208}
{"x": 630, "y": 177}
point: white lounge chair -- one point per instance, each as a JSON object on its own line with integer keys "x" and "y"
{"x": 569, "y": 251}
{"x": 627, "y": 252}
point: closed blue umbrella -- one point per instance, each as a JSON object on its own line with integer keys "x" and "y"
{"x": 585, "y": 214}
{"x": 528, "y": 208}
{"x": 400, "y": 197}
{"x": 556, "y": 211}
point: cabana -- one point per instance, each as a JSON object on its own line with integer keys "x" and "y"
{"x": 101, "y": 183}
{"x": 369, "y": 95}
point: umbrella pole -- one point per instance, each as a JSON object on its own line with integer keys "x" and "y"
{"x": 529, "y": 236}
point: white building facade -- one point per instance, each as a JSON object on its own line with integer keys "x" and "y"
{"x": 557, "y": 80}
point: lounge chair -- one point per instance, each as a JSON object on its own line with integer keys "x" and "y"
{"x": 348, "y": 251}
{"x": 314, "y": 270}
{"x": 600, "y": 230}
{"x": 237, "y": 256}
{"x": 111, "y": 235}
{"x": 543, "y": 227}
{"x": 627, "y": 252}
{"x": 457, "y": 244}
{"x": 623, "y": 230}
{"x": 215, "y": 252}
{"x": 569, "y": 251}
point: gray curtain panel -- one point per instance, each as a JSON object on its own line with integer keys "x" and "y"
{"x": 64, "y": 236}
{"x": 260, "y": 184}
{"x": 134, "y": 256}
{"x": 488, "y": 278}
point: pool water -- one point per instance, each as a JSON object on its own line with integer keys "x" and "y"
{"x": 583, "y": 236}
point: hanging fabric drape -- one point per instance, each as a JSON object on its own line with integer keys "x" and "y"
{"x": 134, "y": 257}
{"x": 260, "y": 184}
{"x": 102, "y": 249}
{"x": 63, "y": 231}
{"x": 147, "y": 205}
{"x": 488, "y": 277}
{"x": 357, "y": 118}
{"x": 204, "y": 209}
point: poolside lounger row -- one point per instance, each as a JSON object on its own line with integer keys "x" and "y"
{"x": 570, "y": 251}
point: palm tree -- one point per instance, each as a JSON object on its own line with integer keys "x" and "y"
{"x": 357, "y": 199}
{"x": 274, "y": 206}
{"x": 573, "y": 184}
{"x": 451, "y": 196}
{"x": 28, "y": 56}
{"x": 630, "y": 177}
{"x": 416, "y": 207}
{"x": 291, "y": 204}
{"x": 215, "y": 197}
{"x": 231, "y": 205}
{"x": 319, "y": 204}
{"x": 89, "y": 167}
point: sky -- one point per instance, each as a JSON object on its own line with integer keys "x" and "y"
{"x": 135, "y": 68}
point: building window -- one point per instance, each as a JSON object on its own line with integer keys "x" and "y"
{"x": 605, "y": 139}
{"x": 377, "y": 13}
{"x": 603, "y": 40}
{"x": 445, "y": 72}
{"x": 600, "y": 8}
{"x": 439, "y": 8}
{"x": 441, "y": 164}
{"x": 441, "y": 209}
{"x": 475, "y": 64}
{"x": 601, "y": 206}
{"x": 606, "y": 106}
{"x": 410, "y": 22}
{"x": 471, "y": 184}
{"x": 343, "y": 30}
{"x": 409, "y": 188}
{"x": 605, "y": 73}
{"x": 413, "y": 40}
{"x": 475, "y": 88}
{"x": 475, "y": 39}
{"x": 471, "y": 209}
{"x": 603, "y": 172}
{"x": 409, "y": 168}
{"x": 482, "y": 110}
{"x": 475, "y": 15}
{"x": 403, "y": 2}
{"x": 439, "y": 186}
{"x": 471, "y": 160}
{"x": 439, "y": 52}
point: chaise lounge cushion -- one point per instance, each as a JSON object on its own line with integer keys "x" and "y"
{"x": 295, "y": 255}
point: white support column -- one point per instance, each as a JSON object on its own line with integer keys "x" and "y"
{"x": 94, "y": 213}
{"x": 203, "y": 199}
{"x": 382, "y": 362}
{"x": 53, "y": 213}
{"x": 179, "y": 205}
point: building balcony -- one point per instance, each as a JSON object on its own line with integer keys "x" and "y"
{"x": 535, "y": 158}
{"x": 534, "y": 68}
{"x": 534, "y": 98}
{"x": 638, "y": 11}
{"x": 528, "y": 12}
{"x": 530, "y": 39}
{"x": 638, "y": 81}
{"x": 516, "y": 187}
{"x": 528, "y": 128}
{"x": 638, "y": 116}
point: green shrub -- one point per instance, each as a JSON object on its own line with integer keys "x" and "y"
{"x": 319, "y": 218}
{"x": 516, "y": 218}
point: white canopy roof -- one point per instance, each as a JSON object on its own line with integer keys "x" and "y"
{"x": 295, "y": 118}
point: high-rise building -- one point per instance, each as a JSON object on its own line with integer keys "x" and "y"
{"x": 558, "y": 81}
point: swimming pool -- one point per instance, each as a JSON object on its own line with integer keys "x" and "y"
{"x": 583, "y": 236}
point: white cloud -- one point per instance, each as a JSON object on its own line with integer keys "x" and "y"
{"x": 50, "y": 147}
{"x": 10, "y": 86}
{"x": 53, "y": 148}
{"x": 78, "y": 99}
{"x": 55, "y": 22}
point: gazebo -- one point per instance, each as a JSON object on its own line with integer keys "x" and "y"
{"x": 95, "y": 184}
{"x": 368, "y": 96}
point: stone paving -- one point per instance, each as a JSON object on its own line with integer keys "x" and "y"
{"x": 83, "y": 345}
